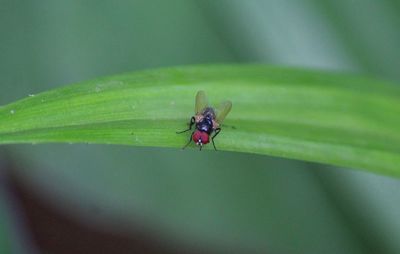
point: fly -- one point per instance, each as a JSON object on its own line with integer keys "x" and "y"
{"x": 207, "y": 120}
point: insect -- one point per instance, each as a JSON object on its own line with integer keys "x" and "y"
{"x": 207, "y": 120}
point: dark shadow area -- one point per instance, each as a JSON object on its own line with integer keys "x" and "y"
{"x": 55, "y": 232}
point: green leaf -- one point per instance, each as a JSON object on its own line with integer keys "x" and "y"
{"x": 332, "y": 118}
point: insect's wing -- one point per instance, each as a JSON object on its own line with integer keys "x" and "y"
{"x": 223, "y": 110}
{"x": 201, "y": 102}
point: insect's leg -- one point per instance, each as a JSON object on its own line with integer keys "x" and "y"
{"x": 217, "y": 130}
{"x": 192, "y": 121}
{"x": 190, "y": 140}
{"x": 201, "y": 146}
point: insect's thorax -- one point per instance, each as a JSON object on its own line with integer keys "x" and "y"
{"x": 205, "y": 124}
{"x": 206, "y": 120}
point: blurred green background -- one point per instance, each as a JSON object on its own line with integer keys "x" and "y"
{"x": 210, "y": 201}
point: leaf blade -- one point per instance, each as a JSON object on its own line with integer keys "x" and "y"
{"x": 317, "y": 116}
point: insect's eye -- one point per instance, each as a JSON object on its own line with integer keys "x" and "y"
{"x": 204, "y": 138}
{"x": 197, "y": 136}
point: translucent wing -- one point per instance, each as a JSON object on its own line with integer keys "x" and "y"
{"x": 201, "y": 102}
{"x": 223, "y": 110}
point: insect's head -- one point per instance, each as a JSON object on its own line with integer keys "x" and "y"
{"x": 200, "y": 138}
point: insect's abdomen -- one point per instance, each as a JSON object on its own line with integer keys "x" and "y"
{"x": 209, "y": 112}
